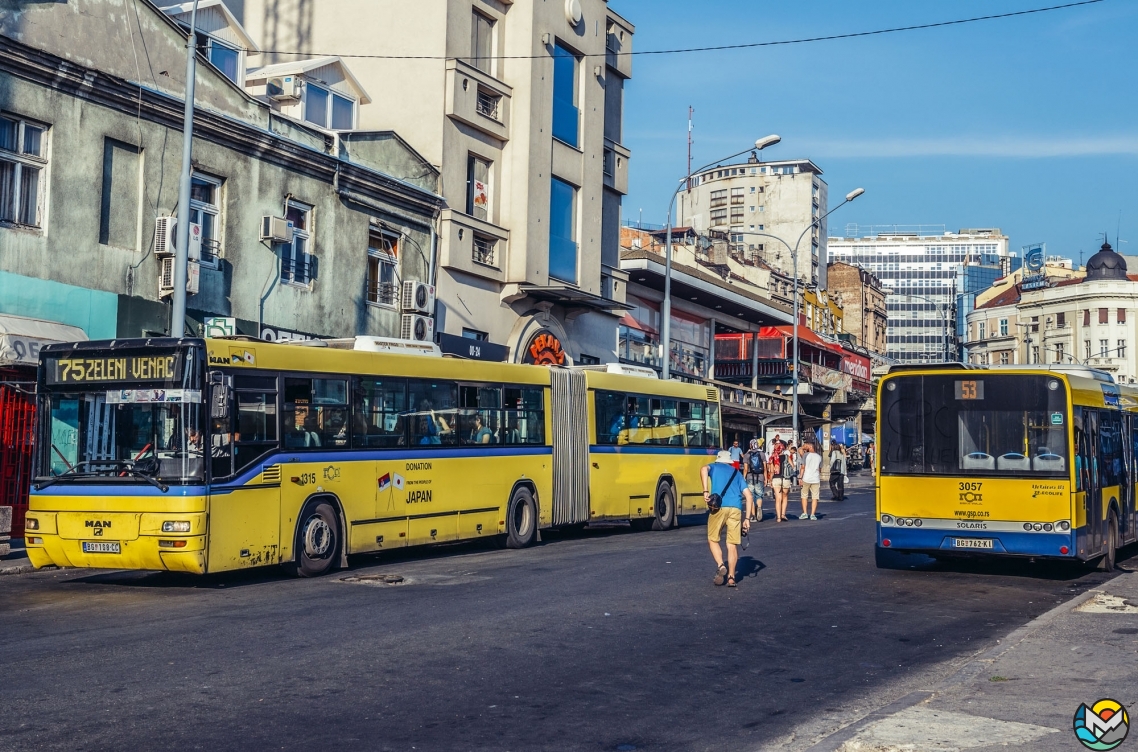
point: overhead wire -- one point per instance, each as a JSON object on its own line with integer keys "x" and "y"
{"x": 717, "y": 48}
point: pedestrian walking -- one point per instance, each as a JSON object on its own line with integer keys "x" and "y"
{"x": 838, "y": 471}
{"x": 871, "y": 458}
{"x": 736, "y": 453}
{"x": 723, "y": 483}
{"x": 755, "y": 462}
{"x": 784, "y": 468}
{"x": 811, "y": 480}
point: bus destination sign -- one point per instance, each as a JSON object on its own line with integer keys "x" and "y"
{"x": 114, "y": 368}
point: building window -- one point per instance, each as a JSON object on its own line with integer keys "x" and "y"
{"x": 1004, "y": 357}
{"x": 475, "y": 334}
{"x": 983, "y": 326}
{"x": 1035, "y": 354}
{"x": 1102, "y": 315}
{"x": 1003, "y": 327}
{"x": 1086, "y": 349}
{"x": 297, "y": 264}
{"x": 562, "y": 231}
{"x": 718, "y": 198}
{"x": 718, "y": 217}
{"x": 1122, "y": 315}
{"x": 326, "y": 108}
{"x": 482, "y": 250}
{"x": 1087, "y": 317}
{"x": 588, "y": 360}
{"x": 225, "y": 59}
{"x": 1120, "y": 351}
{"x": 1103, "y": 347}
{"x": 736, "y": 215}
{"x": 1061, "y": 320}
{"x": 481, "y": 42}
{"x": 609, "y": 162}
{"x": 565, "y": 114}
{"x": 736, "y": 195}
{"x": 204, "y": 211}
{"x": 1059, "y": 354}
{"x": 22, "y": 161}
{"x": 382, "y": 255}
{"x": 478, "y": 187}
{"x": 487, "y": 103}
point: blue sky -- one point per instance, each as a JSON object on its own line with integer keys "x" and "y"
{"x": 1029, "y": 124}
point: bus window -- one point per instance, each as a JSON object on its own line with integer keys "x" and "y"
{"x": 315, "y": 413}
{"x": 256, "y": 433}
{"x": 1110, "y": 449}
{"x": 378, "y": 403}
{"x": 666, "y": 418}
{"x": 523, "y": 419}
{"x": 610, "y": 420}
{"x": 479, "y": 415}
{"x": 432, "y": 412}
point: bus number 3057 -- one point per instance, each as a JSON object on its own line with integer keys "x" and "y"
{"x": 970, "y": 486}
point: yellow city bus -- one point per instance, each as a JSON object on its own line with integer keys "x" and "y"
{"x": 1024, "y": 461}
{"x": 212, "y": 455}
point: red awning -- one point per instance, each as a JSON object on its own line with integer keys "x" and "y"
{"x": 627, "y": 320}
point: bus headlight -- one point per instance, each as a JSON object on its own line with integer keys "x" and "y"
{"x": 1027, "y": 526}
{"x": 886, "y": 519}
{"x": 917, "y": 522}
{"x": 1048, "y": 527}
{"x": 31, "y": 523}
{"x": 176, "y": 526}
{"x": 1063, "y": 525}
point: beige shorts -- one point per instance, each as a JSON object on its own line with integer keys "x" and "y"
{"x": 810, "y": 488}
{"x": 728, "y": 517}
{"x": 781, "y": 483}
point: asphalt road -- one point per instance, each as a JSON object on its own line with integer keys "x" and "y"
{"x": 600, "y": 640}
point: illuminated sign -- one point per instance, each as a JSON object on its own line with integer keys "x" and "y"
{"x": 114, "y": 368}
{"x": 969, "y": 390}
{"x": 545, "y": 350}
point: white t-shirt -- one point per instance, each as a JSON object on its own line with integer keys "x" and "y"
{"x": 811, "y": 468}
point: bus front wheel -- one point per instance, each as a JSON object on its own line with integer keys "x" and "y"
{"x": 521, "y": 519}
{"x": 317, "y": 540}
{"x": 665, "y": 511}
{"x": 1110, "y": 557}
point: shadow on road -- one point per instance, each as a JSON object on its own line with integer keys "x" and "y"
{"x": 1040, "y": 569}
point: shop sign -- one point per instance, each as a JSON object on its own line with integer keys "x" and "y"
{"x": 219, "y": 326}
{"x": 472, "y": 349}
{"x": 544, "y": 350}
{"x": 277, "y": 334}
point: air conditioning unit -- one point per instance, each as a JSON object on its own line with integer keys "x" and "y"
{"x": 166, "y": 235}
{"x": 284, "y": 88}
{"x": 166, "y": 277}
{"x": 418, "y": 328}
{"x": 418, "y": 297}
{"x": 276, "y": 229}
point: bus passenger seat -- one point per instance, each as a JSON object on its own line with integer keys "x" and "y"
{"x": 977, "y": 461}
{"x": 1013, "y": 461}
{"x": 1049, "y": 462}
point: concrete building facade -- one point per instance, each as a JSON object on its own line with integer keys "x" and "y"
{"x": 863, "y": 301}
{"x": 520, "y": 106}
{"x": 779, "y": 198}
{"x": 919, "y": 267}
{"x": 93, "y": 135}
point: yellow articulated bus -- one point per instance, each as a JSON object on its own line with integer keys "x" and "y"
{"x": 1025, "y": 461}
{"x": 212, "y": 455}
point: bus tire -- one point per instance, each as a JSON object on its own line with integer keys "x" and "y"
{"x": 664, "y": 508}
{"x": 521, "y": 519}
{"x": 1110, "y": 558}
{"x": 318, "y": 539}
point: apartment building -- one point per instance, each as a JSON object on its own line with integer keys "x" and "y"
{"x": 863, "y": 300}
{"x": 920, "y": 267}
{"x": 756, "y": 200}
{"x": 519, "y": 104}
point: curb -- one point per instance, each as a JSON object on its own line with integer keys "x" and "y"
{"x": 21, "y": 569}
{"x": 972, "y": 668}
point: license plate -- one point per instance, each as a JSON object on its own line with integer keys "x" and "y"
{"x": 101, "y": 547}
{"x": 973, "y": 542}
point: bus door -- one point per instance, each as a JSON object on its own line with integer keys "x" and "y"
{"x": 244, "y": 504}
{"x": 1126, "y": 500}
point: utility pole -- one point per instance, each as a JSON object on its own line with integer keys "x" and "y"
{"x": 690, "y": 111}
{"x": 182, "y": 250}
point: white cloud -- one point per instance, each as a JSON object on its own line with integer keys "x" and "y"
{"x": 1021, "y": 147}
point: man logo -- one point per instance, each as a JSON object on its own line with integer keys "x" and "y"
{"x": 1103, "y": 725}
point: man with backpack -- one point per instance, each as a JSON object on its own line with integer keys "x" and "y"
{"x": 724, "y": 492}
{"x": 755, "y": 462}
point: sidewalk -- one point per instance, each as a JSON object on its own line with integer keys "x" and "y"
{"x": 16, "y": 562}
{"x": 1022, "y": 694}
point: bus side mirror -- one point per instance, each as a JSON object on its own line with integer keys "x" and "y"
{"x": 220, "y": 388}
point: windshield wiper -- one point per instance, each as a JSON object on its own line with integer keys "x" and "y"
{"x": 127, "y": 467}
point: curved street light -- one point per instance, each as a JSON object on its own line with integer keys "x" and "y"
{"x": 666, "y": 307}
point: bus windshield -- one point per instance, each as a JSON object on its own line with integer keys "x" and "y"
{"x": 975, "y": 424}
{"x": 135, "y": 417}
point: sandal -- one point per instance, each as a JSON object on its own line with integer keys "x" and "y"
{"x": 720, "y": 575}
{"x": 730, "y": 582}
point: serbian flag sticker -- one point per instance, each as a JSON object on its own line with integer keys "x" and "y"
{"x": 385, "y": 481}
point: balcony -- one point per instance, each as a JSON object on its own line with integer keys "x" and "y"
{"x": 618, "y": 45}
{"x": 477, "y": 99}
{"x": 473, "y": 245}
{"x": 616, "y": 167}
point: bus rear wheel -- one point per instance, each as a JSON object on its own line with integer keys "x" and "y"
{"x": 1110, "y": 558}
{"x": 521, "y": 519}
{"x": 665, "y": 508}
{"x": 317, "y": 540}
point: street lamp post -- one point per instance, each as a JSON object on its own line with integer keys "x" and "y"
{"x": 794, "y": 262}
{"x": 666, "y": 308}
{"x": 182, "y": 250}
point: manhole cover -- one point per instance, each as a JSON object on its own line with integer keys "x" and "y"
{"x": 374, "y": 579}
